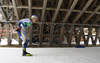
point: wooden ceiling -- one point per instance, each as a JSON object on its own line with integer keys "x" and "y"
{"x": 52, "y": 11}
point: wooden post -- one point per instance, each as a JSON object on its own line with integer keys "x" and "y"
{"x": 61, "y": 34}
{"x": 92, "y": 40}
{"x": 89, "y": 35}
{"x": 76, "y": 37}
{"x": 31, "y": 27}
{"x": 84, "y": 38}
{"x": 8, "y": 35}
{"x": 30, "y": 34}
{"x": 41, "y": 34}
{"x": 51, "y": 34}
{"x": 70, "y": 35}
{"x": 80, "y": 35}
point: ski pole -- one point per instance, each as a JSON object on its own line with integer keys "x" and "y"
{"x": 7, "y": 30}
{"x": 7, "y": 33}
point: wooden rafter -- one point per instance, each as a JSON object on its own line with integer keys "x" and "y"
{"x": 43, "y": 9}
{"x": 15, "y": 9}
{"x": 70, "y": 2}
{"x": 82, "y": 4}
{"x": 57, "y": 10}
{"x": 3, "y": 13}
{"x": 88, "y": 17}
{"x": 69, "y": 12}
{"x": 83, "y": 10}
{"x": 96, "y": 19}
{"x": 94, "y": 3}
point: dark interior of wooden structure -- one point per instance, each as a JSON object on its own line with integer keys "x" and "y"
{"x": 56, "y": 19}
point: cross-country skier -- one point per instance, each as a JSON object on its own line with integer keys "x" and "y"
{"x": 22, "y": 25}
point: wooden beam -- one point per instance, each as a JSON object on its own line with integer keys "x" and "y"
{"x": 78, "y": 15}
{"x": 54, "y": 23}
{"x": 70, "y": 2}
{"x": 96, "y": 19}
{"x": 89, "y": 16}
{"x": 93, "y": 5}
{"x": 3, "y": 13}
{"x": 70, "y": 11}
{"x": 40, "y": 8}
{"x": 57, "y": 10}
{"x": 43, "y": 9}
{"x": 81, "y": 4}
{"x": 22, "y": 6}
{"x": 15, "y": 9}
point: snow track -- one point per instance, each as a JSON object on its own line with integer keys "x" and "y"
{"x": 51, "y": 55}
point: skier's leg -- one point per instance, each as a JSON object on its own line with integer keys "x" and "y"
{"x": 25, "y": 42}
{"x": 22, "y": 37}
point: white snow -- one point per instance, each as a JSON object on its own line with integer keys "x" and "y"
{"x": 14, "y": 41}
{"x": 51, "y": 55}
{"x": 4, "y": 41}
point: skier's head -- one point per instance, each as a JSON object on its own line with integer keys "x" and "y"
{"x": 34, "y": 18}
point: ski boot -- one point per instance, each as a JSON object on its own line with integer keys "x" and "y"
{"x": 26, "y": 54}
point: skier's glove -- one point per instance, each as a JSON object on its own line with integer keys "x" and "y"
{"x": 17, "y": 29}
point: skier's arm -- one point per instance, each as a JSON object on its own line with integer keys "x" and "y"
{"x": 18, "y": 26}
